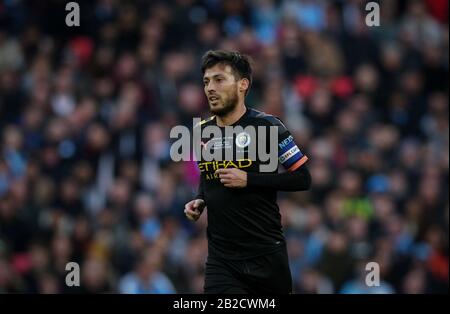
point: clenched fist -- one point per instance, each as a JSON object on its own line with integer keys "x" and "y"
{"x": 194, "y": 209}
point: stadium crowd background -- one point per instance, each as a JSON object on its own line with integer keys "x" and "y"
{"x": 85, "y": 113}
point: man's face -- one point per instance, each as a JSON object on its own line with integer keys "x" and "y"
{"x": 221, "y": 89}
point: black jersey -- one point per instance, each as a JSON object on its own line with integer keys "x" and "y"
{"x": 244, "y": 222}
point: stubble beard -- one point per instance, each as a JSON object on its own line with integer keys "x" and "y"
{"x": 228, "y": 106}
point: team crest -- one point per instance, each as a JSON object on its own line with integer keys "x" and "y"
{"x": 243, "y": 139}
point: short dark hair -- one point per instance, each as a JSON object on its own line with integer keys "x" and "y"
{"x": 240, "y": 63}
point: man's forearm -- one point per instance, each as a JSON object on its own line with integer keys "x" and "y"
{"x": 200, "y": 192}
{"x": 299, "y": 180}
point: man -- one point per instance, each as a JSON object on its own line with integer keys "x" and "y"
{"x": 246, "y": 247}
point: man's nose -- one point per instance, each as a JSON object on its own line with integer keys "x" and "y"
{"x": 209, "y": 87}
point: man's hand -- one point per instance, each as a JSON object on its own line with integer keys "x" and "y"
{"x": 232, "y": 177}
{"x": 194, "y": 209}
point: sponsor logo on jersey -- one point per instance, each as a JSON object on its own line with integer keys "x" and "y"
{"x": 284, "y": 144}
{"x": 211, "y": 166}
{"x": 289, "y": 154}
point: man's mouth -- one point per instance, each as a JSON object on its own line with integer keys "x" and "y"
{"x": 213, "y": 98}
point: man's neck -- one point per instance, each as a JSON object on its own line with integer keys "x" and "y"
{"x": 232, "y": 116}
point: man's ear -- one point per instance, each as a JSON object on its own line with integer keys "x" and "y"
{"x": 244, "y": 85}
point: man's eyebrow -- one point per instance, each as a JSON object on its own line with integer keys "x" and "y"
{"x": 215, "y": 75}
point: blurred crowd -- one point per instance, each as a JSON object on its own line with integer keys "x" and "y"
{"x": 85, "y": 115}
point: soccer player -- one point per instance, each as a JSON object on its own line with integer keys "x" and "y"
{"x": 246, "y": 246}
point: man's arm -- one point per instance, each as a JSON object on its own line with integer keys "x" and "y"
{"x": 200, "y": 192}
{"x": 298, "y": 180}
{"x": 194, "y": 208}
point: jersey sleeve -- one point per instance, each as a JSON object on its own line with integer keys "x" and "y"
{"x": 200, "y": 191}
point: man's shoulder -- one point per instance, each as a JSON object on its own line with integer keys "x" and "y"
{"x": 205, "y": 122}
{"x": 268, "y": 119}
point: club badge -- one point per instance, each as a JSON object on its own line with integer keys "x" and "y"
{"x": 243, "y": 139}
